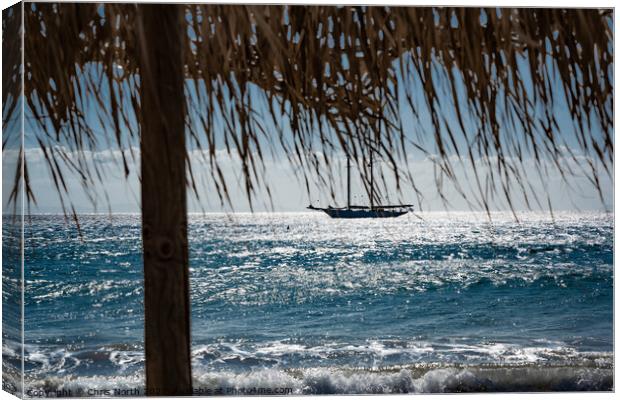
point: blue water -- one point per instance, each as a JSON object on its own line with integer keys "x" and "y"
{"x": 450, "y": 302}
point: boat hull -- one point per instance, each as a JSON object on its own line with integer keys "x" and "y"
{"x": 349, "y": 213}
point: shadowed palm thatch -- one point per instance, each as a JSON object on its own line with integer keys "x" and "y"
{"x": 340, "y": 78}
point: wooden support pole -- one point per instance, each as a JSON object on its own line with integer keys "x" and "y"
{"x": 164, "y": 203}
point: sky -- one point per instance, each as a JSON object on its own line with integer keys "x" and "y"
{"x": 288, "y": 192}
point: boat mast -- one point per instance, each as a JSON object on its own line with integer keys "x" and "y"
{"x": 372, "y": 186}
{"x": 348, "y": 181}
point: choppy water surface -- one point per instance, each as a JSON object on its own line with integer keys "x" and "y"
{"x": 300, "y": 301}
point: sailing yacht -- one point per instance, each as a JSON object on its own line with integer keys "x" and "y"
{"x": 372, "y": 211}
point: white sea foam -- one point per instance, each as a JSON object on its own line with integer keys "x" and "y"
{"x": 406, "y": 379}
{"x": 125, "y": 359}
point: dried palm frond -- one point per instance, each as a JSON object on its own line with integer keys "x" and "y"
{"x": 322, "y": 80}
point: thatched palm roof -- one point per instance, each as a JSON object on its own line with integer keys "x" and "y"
{"x": 340, "y": 78}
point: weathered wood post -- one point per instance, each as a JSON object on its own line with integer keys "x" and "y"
{"x": 164, "y": 205}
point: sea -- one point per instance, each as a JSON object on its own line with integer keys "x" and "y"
{"x": 298, "y": 303}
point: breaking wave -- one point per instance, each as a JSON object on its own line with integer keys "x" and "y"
{"x": 405, "y": 379}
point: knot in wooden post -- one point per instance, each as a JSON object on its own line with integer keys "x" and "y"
{"x": 146, "y": 232}
{"x": 164, "y": 248}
